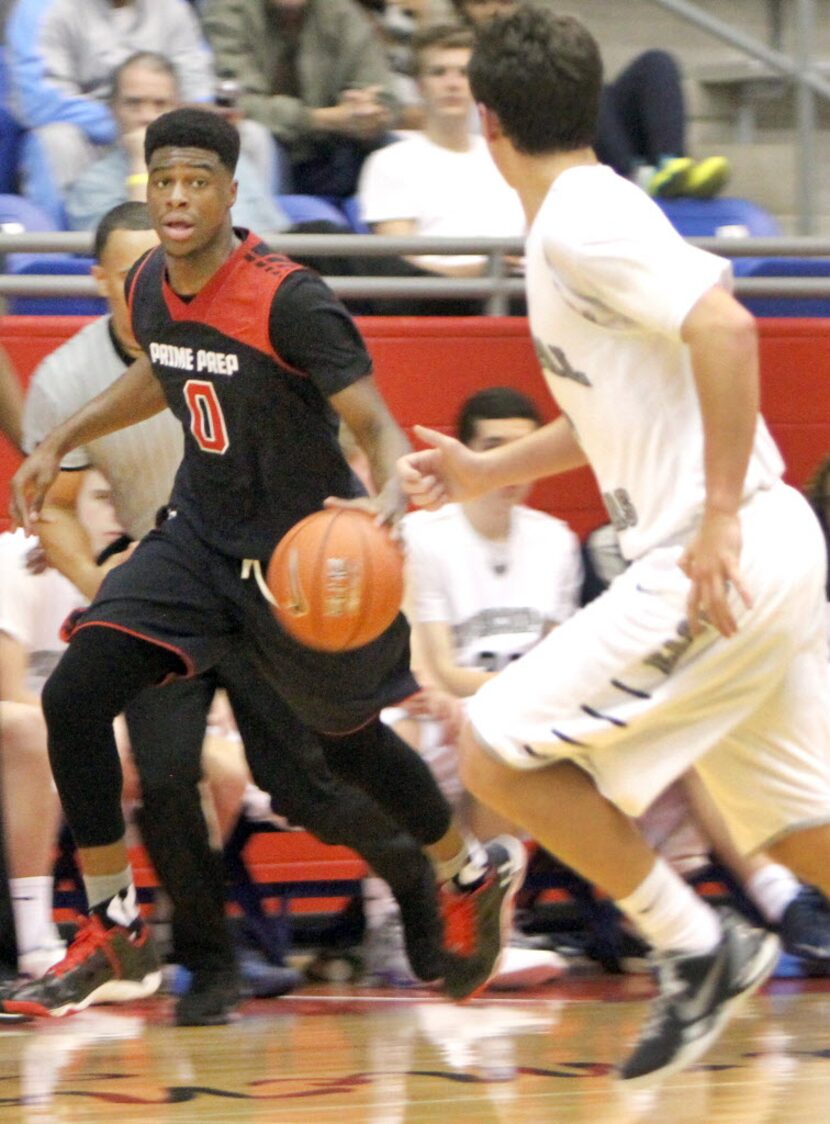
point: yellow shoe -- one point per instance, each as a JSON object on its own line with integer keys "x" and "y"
{"x": 669, "y": 178}
{"x": 707, "y": 177}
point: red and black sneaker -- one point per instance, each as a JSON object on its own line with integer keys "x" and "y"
{"x": 102, "y": 965}
{"x": 477, "y": 922}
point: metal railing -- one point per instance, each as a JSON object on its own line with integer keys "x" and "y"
{"x": 496, "y": 287}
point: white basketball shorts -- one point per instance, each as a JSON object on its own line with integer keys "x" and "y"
{"x": 622, "y": 690}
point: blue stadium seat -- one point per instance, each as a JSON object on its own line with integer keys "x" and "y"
{"x": 351, "y": 209}
{"x": 311, "y": 208}
{"x": 788, "y": 306}
{"x": 725, "y": 216}
{"x": 56, "y": 265}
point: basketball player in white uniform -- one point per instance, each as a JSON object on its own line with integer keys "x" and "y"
{"x": 710, "y": 648}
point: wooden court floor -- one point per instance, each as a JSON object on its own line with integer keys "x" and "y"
{"x": 342, "y": 1054}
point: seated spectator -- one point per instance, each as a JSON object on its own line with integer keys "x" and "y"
{"x": 61, "y": 57}
{"x": 32, "y": 608}
{"x": 440, "y": 181}
{"x": 314, "y": 72}
{"x": 486, "y": 579}
{"x": 397, "y": 22}
{"x": 641, "y": 129}
{"x": 143, "y": 87}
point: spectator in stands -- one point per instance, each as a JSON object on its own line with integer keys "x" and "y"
{"x": 61, "y": 56}
{"x": 140, "y": 464}
{"x": 442, "y": 180}
{"x": 641, "y": 130}
{"x": 315, "y": 73}
{"x": 11, "y": 400}
{"x": 32, "y": 609}
{"x": 143, "y": 87}
{"x": 487, "y": 579}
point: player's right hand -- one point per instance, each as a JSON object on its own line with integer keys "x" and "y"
{"x": 30, "y": 484}
{"x": 448, "y": 471}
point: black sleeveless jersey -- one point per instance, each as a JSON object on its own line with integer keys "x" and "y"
{"x": 247, "y": 366}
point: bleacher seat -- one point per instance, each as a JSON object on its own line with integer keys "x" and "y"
{"x": 788, "y": 267}
{"x": 351, "y": 209}
{"x": 18, "y": 214}
{"x": 724, "y": 217}
{"x": 311, "y": 208}
{"x": 56, "y": 265}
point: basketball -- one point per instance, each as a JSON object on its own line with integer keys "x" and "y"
{"x": 337, "y": 579}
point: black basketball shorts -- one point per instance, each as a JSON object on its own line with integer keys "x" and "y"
{"x": 181, "y": 593}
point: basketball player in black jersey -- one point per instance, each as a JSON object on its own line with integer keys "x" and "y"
{"x": 259, "y": 362}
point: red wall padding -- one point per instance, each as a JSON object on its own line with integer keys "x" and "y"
{"x": 427, "y": 367}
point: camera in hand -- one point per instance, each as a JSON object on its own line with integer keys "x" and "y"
{"x": 227, "y": 93}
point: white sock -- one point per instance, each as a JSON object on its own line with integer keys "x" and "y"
{"x": 467, "y": 867}
{"x": 32, "y": 902}
{"x": 116, "y": 892}
{"x": 771, "y": 889}
{"x": 670, "y": 915}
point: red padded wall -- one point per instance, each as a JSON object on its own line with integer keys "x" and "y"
{"x": 426, "y": 368}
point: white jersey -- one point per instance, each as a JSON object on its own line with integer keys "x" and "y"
{"x": 33, "y": 607}
{"x": 139, "y": 462}
{"x": 446, "y": 193}
{"x": 499, "y": 599}
{"x": 609, "y": 284}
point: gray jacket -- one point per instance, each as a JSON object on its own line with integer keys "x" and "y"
{"x": 338, "y": 48}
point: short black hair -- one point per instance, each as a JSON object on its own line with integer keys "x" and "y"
{"x": 493, "y": 402}
{"x": 541, "y": 74}
{"x": 192, "y": 127}
{"x": 126, "y": 216}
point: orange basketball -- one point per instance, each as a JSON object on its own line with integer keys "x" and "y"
{"x": 337, "y": 578}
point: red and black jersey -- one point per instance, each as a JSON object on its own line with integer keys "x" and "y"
{"x": 248, "y": 365}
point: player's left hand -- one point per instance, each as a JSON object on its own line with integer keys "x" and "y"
{"x": 712, "y": 563}
{"x": 388, "y": 506}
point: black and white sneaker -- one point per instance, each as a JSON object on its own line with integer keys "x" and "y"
{"x": 477, "y": 921}
{"x": 697, "y": 996}
{"x": 805, "y": 926}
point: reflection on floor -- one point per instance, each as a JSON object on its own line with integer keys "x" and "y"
{"x": 357, "y": 1057}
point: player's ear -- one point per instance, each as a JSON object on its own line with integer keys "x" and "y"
{"x": 98, "y": 274}
{"x": 491, "y": 128}
{"x": 234, "y": 191}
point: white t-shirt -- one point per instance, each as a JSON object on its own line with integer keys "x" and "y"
{"x": 609, "y": 284}
{"x": 498, "y": 599}
{"x": 33, "y": 607}
{"x": 447, "y": 193}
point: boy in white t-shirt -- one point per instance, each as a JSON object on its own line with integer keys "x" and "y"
{"x": 441, "y": 181}
{"x": 710, "y": 649}
{"x": 486, "y": 581}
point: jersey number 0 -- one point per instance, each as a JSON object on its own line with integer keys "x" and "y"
{"x": 207, "y": 422}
